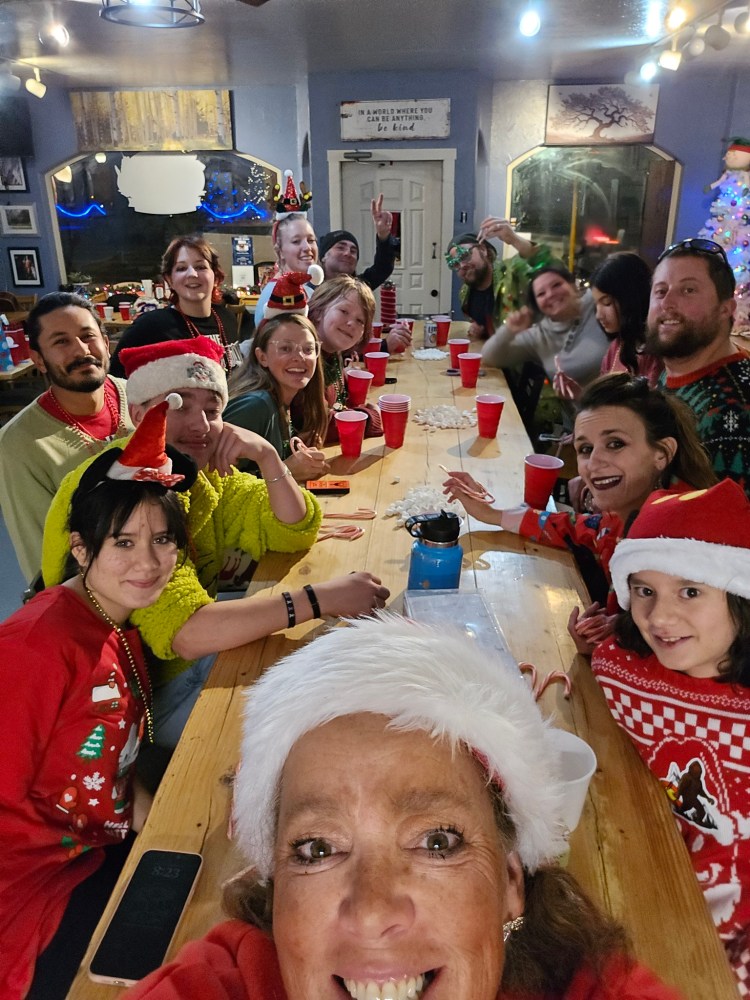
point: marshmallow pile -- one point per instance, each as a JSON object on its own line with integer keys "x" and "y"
{"x": 445, "y": 416}
{"x": 429, "y": 354}
{"x": 422, "y": 500}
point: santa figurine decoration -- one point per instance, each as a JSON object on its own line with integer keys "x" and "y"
{"x": 729, "y": 225}
{"x": 290, "y": 202}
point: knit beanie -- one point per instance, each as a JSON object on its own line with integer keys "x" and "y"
{"x": 422, "y": 678}
{"x": 172, "y": 365}
{"x": 702, "y": 536}
{"x": 326, "y": 242}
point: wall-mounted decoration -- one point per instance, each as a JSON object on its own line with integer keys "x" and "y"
{"x": 591, "y": 113}
{"x": 152, "y": 119}
{"x": 12, "y": 174}
{"x": 18, "y": 220}
{"x": 412, "y": 119}
{"x": 24, "y": 266}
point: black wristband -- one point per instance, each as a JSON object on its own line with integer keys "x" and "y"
{"x": 291, "y": 613}
{"x": 313, "y": 600}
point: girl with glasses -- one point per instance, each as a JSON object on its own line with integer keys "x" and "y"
{"x": 279, "y": 393}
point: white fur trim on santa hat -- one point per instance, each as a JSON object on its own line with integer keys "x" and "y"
{"x": 180, "y": 371}
{"x": 426, "y": 678}
{"x": 726, "y": 567}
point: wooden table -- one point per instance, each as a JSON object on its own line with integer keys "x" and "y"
{"x": 626, "y": 852}
{"x": 20, "y": 370}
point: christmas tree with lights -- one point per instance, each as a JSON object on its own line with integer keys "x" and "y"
{"x": 729, "y": 225}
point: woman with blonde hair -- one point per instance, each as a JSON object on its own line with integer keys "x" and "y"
{"x": 278, "y": 393}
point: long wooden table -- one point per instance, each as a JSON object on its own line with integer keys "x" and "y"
{"x": 627, "y": 851}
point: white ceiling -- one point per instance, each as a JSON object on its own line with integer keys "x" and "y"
{"x": 284, "y": 40}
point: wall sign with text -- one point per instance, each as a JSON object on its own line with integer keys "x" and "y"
{"x": 413, "y": 119}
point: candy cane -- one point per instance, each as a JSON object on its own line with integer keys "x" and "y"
{"x": 346, "y": 531}
{"x": 360, "y": 514}
{"x": 483, "y": 495}
{"x": 539, "y": 687}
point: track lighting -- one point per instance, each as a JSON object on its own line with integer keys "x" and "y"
{"x": 35, "y": 86}
{"x": 54, "y": 35}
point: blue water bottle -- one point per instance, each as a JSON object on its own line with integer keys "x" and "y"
{"x": 435, "y": 555}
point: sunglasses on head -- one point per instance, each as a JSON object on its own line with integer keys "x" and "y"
{"x": 461, "y": 252}
{"x": 700, "y": 246}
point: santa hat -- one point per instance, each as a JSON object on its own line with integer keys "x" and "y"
{"x": 288, "y": 294}
{"x": 172, "y": 365}
{"x": 146, "y": 457}
{"x": 702, "y": 536}
{"x": 422, "y": 678}
{"x": 740, "y": 143}
{"x": 290, "y": 202}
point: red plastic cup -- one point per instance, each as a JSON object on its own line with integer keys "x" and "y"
{"x": 357, "y": 384}
{"x": 489, "y": 411}
{"x": 100, "y": 307}
{"x": 374, "y": 345}
{"x": 351, "y": 427}
{"x": 443, "y": 324}
{"x": 377, "y": 362}
{"x": 125, "y": 311}
{"x": 457, "y": 347}
{"x": 377, "y": 329}
{"x": 406, "y": 322}
{"x": 468, "y": 364}
{"x": 540, "y": 474}
{"x": 394, "y": 427}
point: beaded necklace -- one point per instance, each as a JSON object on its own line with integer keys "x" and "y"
{"x": 195, "y": 332}
{"x": 131, "y": 660}
{"x": 335, "y": 377}
{"x": 68, "y": 418}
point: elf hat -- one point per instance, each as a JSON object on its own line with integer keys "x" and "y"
{"x": 146, "y": 457}
{"x": 288, "y": 293}
{"x": 337, "y": 236}
{"x": 702, "y": 536}
{"x": 172, "y": 365}
{"x": 290, "y": 202}
{"x": 422, "y": 678}
{"x": 740, "y": 143}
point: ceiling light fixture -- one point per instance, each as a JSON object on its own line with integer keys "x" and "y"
{"x": 35, "y": 86}
{"x": 64, "y": 175}
{"x": 742, "y": 23}
{"x": 671, "y": 58}
{"x": 648, "y": 70}
{"x": 9, "y": 82}
{"x": 54, "y": 35}
{"x": 717, "y": 36}
{"x": 530, "y": 23}
{"x": 677, "y": 16}
{"x": 153, "y": 13}
{"x": 100, "y": 157}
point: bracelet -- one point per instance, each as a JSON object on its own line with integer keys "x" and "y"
{"x": 291, "y": 613}
{"x": 287, "y": 472}
{"x": 313, "y": 600}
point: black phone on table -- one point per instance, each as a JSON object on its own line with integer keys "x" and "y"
{"x": 144, "y": 923}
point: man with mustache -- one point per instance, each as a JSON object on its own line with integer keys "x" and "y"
{"x": 689, "y": 325}
{"x": 82, "y": 410}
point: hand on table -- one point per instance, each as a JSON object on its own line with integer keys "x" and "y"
{"x": 476, "y": 331}
{"x": 311, "y": 464}
{"x": 519, "y": 320}
{"x": 398, "y": 338}
{"x": 590, "y": 627}
{"x": 352, "y": 595}
{"x": 383, "y": 219}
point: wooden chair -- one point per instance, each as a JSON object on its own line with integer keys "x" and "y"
{"x": 9, "y": 302}
{"x": 26, "y": 302}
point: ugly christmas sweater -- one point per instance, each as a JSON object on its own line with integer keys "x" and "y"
{"x": 72, "y": 726}
{"x": 694, "y": 735}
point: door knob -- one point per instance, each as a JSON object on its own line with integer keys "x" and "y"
{"x": 434, "y": 293}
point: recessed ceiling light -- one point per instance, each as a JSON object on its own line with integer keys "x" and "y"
{"x": 530, "y": 23}
{"x": 54, "y": 35}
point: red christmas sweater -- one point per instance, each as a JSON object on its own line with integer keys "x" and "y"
{"x": 72, "y": 727}
{"x": 591, "y": 538}
{"x": 694, "y": 735}
{"x": 238, "y": 962}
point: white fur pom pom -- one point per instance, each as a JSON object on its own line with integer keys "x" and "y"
{"x": 174, "y": 401}
{"x": 316, "y": 274}
{"x": 288, "y": 173}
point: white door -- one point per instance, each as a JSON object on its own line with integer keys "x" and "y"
{"x": 414, "y": 190}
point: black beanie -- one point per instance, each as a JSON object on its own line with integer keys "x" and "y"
{"x": 326, "y": 242}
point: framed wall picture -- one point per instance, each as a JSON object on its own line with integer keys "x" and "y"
{"x": 18, "y": 220}
{"x": 24, "y": 266}
{"x": 12, "y": 174}
{"x": 601, "y": 114}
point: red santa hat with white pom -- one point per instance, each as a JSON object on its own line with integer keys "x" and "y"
{"x": 288, "y": 293}
{"x": 172, "y": 365}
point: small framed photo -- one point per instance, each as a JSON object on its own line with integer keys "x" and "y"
{"x": 24, "y": 266}
{"x": 12, "y": 174}
{"x": 18, "y": 220}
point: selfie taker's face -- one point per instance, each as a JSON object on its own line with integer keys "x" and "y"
{"x": 386, "y": 874}
{"x": 688, "y": 625}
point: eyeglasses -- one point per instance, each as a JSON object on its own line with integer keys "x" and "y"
{"x": 461, "y": 253}
{"x": 286, "y": 348}
{"x": 700, "y": 246}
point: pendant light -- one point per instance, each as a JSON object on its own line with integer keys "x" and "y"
{"x": 153, "y": 13}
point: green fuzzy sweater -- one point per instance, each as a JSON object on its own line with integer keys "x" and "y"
{"x": 223, "y": 512}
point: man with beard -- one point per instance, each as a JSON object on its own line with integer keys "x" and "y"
{"x": 339, "y": 250}
{"x": 689, "y": 325}
{"x": 492, "y": 288}
{"x": 82, "y": 410}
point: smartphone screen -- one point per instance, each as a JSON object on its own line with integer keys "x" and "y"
{"x": 146, "y": 917}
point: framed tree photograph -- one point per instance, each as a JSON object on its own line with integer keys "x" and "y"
{"x": 18, "y": 220}
{"x": 604, "y": 114}
{"x": 24, "y": 266}
{"x": 12, "y": 174}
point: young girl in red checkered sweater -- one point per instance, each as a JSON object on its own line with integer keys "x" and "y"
{"x": 677, "y": 678}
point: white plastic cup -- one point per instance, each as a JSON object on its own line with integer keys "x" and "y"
{"x": 577, "y": 763}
